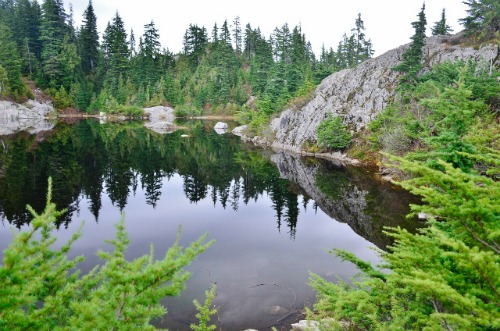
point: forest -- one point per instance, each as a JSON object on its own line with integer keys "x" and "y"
{"x": 122, "y": 71}
{"x": 440, "y": 133}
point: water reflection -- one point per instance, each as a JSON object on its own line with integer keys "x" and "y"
{"x": 87, "y": 158}
{"x": 270, "y": 214}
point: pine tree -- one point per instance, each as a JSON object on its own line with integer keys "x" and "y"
{"x": 116, "y": 49}
{"x": 195, "y": 40}
{"x": 483, "y": 18}
{"x": 225, "y": 35}
{"x": 149, "y": 54}
{"x": 27, "y": 34}
{"x": 237, "y": 37}
{"x": 89, "y": 40}
{"x": 131, "y": 43}
{"x": 440, "y": 27}
{"x": 53, "y": 31}
{"x": 215, "y": 34}
{"x": 363, "y": 48}
{"x": 412, "y": 58}
{"x": 10, "y": 63}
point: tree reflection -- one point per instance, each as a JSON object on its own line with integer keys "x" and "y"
{"x": 87, "y": 159}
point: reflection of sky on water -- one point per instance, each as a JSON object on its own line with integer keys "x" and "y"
{"x": 249, "y": 251}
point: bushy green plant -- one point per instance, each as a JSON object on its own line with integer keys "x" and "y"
{"x": 61, "y": 98}
{"x": 444, "y": 277}
{"x": 42, "y": 291}
{"x": 332, "y": 134}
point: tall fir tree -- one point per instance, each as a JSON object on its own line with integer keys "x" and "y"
{"x": 10, "y": 65}
{"x": 363, "y": 48}
{"x": 440, "y": 27}
{"x": 412, "y": 58}
{"x": 483, "y": 18}
{"x": 149, "y": 54}
{"x": 115, "y": 47}
{"x": 53, "y": 31}
{"x": 225, "y": 35}
{"x": 89, "y": 40}
{"x": 237, "y": 36}
{"x": 27, "y": 34}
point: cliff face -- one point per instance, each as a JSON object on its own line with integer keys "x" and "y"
{"x": 359, "y": 94}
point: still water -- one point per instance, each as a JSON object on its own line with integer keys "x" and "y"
{"x": 274, "y": 216}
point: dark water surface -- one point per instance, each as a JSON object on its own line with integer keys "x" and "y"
{"x": 273, "y": 216}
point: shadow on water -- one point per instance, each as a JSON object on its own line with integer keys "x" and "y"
{"x": 271, "y": 214}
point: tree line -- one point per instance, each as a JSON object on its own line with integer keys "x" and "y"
{"x": 216, "y": 71}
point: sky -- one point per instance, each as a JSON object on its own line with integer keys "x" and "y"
{"x": 387, "y": 22}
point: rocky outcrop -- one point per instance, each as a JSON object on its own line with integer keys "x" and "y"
{"x": 30, "y": 116}
{"x": 359, "y": 94}
{"x": 160, "y": 119}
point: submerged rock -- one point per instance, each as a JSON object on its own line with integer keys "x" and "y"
{"x": 275, "y": 310}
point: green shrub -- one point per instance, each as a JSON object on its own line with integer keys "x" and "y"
{"x": 332, "y": 134}
{"x": 41, "y": 290}
{"x": 61, "y": 98}
{"x": 445, "y": 277}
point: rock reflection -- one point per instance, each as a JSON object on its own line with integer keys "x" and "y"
{"x": 351, "y": 195}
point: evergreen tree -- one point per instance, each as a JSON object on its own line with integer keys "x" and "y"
{"x": 483, "y": 18}
{"x": 363, "y": 48}
{"x": 250, "y": 39}
{"x": 412, "y": 57}
{"x": 10, "y": 64}
{"x": 132, "y": 45}
{"x": 215, "y": 34}
{"x": 195, "y": 40}
{"x": 116, "y": 49}
{"x": 27, "y": 34}
{"x": 149, "y": 54}
{"x": 237, "y": 36}
{"x": 41, "y": 290}
{"x": 89, "y": 40}
{"x": 440, "y": 27}
{"x": 53, "y": 31}
{"x": 225, "y": 36}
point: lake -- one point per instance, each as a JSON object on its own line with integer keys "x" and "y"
{"x": 274, "y": 216}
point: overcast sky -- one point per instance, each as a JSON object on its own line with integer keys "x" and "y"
{"x": 387, "y": 22}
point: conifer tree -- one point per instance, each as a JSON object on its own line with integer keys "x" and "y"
{"x": 363, "y": 48}
{"x": 412, "y": 57}
{"x": 237, "y": 37}
{"x": 149, "y": 54}
{"x": 89, "y": 40}
{"x": 215, "y": 34}
{"x": 225, "y": 35}
{"x": 41, "y": 290}
{"x": 132, "y": 45}
{"x": 27, "y": 33}
{"x": 53, "y": 31}
{"x": 440, "y": 27}
{"x": 483, "y": 18}
{"x": 10, "y": 63}
{"x": 115, "y": 47}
